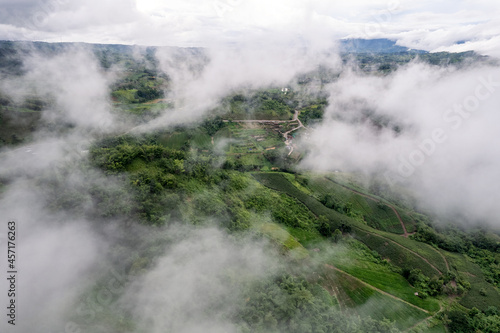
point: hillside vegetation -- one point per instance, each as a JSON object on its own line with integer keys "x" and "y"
{"x": 351, "y": 258}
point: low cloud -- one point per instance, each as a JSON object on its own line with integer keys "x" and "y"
{"x": 200, "y": 78}
{"x": 53, "y": 252}
{"x": 427, "y": 128}
{"x": 197, "y": 285}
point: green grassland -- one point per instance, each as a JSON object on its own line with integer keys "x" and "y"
{"x": 281, "y": 236}
{"x": 369, "y": 302}
{"x": 481, "y": 294}
{"x": 174, "y": 140}
{"x": 356, "y": 259}
{"x": 308, "y": 238}
{"x": 433, "y": 255}
{"x": 249, "y": 138}
{"x": 377, "y": 214}
{"x": 376, "y": 188}
{"x": 248, "y": 145}
{"x": 397, "y": 248}
{"x": 394, "y": 253}
{"x": 399, "y": 251}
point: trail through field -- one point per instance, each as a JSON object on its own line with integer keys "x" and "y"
{"x": 376, "y": 289}
{"x": 260, "y": 121}
{"x": 430, "y": 317}
{"x": 418, "y": 323}
{"x": 444, "y": 258}
{"x": 404, "y": 247}
{"x": 295, "y": 118}
{"x": 405, "y": 232}
{"x": 285, "y": 135}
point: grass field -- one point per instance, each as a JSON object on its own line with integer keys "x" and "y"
{"x": 254, "y": 159}
{"x": 281, "y": 236}
{"x": 174, "y": 140}
{"x": 251, "y": 138}
{"x": 356, "y": 259}
{"x": 481, "y": 294}
{"x": 377, "y": 215}
{"x": 396, "y": 254}
{"x": 425, "y": 250}
{"x": 201, "y": 140}
{"x": 369, "y": 302}
{"x": 356, "y": 183}
{"x": 402, "y": 252}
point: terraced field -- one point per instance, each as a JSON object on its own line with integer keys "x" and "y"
{"x": 355, "y": 295}
{"x": 355, "y": 259}
{"x": 278, "y": 182}
{"x": 174, "y": 140}
{"x": 201, "y": 140}
{"x": 376, "y": 213}
{"x": 481, "y": 294}
{"x": 365, "y": 286}
{"x": 395, "y": 253}
{"x": 401, "y": 251}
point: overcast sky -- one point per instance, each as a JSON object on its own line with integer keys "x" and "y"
{"x": 425, "y": 24}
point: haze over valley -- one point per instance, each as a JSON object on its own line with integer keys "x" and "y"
{"x": 231, "y": 166}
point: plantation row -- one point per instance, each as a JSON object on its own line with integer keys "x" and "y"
{"x": 329, "y": 219}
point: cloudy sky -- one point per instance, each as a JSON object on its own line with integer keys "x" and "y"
{"x": 454, "y": 25}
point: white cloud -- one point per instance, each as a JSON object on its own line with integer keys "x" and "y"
{"x": 424, "y": 24}
{"x": 451, "y": 170}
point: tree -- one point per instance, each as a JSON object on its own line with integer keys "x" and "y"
{"x": 337, "y": 235}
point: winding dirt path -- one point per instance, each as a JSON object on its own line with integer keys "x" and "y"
{"x": 444, "y": 258}
{"x": 426, "y": 319}
{"x": 285, "y": 135}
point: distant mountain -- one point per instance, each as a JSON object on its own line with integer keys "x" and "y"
{"x": 380, "y": 45}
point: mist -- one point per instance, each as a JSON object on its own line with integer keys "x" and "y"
{"x": 429, "y": 129}
{"x": 200, "y": 78}
{"x": 75, "y": 263}
{"x": 57, "y": 255}
{"x": 59, "y": 252}
{"x": 198, "y": 283}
